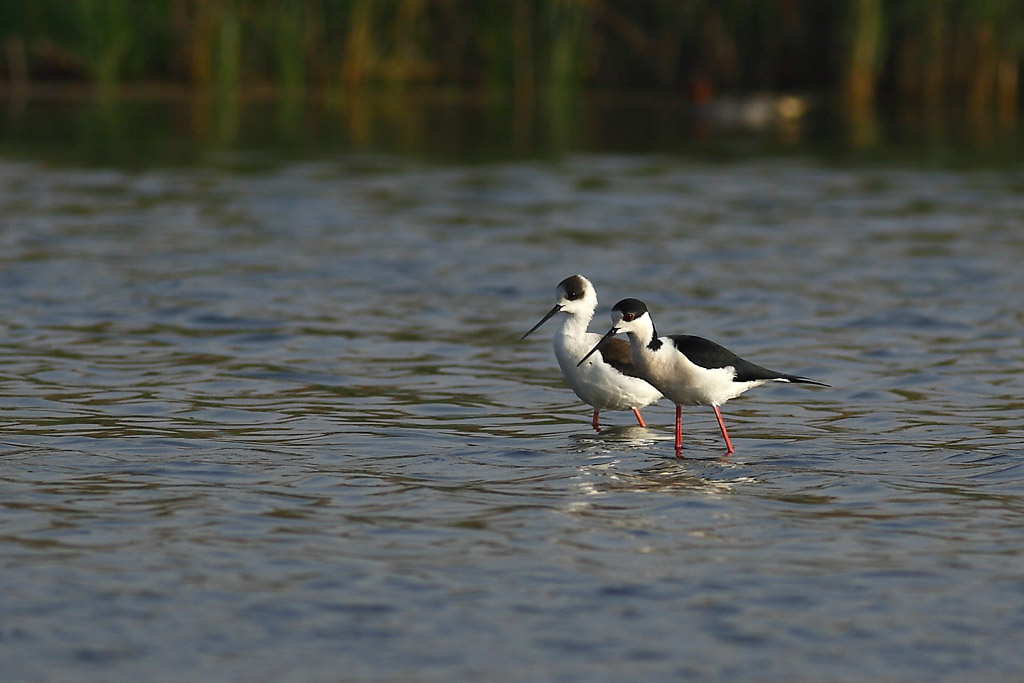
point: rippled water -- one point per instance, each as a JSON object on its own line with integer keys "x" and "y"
{"x": 277, "y": 424}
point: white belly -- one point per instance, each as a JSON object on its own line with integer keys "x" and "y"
{"x": 686, "y": 383}
{"x": 596, "y": 382}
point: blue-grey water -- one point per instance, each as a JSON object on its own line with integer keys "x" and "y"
{"x": 275, "y": 423}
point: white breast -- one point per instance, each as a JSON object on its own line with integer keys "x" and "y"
{"x": 596, "y": 382}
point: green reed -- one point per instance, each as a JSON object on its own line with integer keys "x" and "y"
{"x": 930, "y": 52}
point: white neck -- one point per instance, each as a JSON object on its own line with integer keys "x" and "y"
{"x": 641, "y": 334}
{"x": 575, "y": 324}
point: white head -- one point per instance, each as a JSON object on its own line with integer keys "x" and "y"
{"x": 629, "y": 316}
{"x": 573, "y": 295}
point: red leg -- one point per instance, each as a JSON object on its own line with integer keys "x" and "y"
{"x": 595, "y": 419}
{"x": 679, "y": 431}
{"x": 638, "y": 418}
{"x": 728, "y": 444}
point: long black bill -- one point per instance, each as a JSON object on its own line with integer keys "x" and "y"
{"x": 543, "y": 320}
{"x": 611, "y": 333}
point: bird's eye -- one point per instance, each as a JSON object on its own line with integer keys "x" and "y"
{"x": 628, "y": 317}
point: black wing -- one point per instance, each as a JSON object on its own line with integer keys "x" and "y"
{"x": 616, "y": 353}
{"x": 708, "y": 354}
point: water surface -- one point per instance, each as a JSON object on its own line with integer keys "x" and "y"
{"x": 277, "y": 424}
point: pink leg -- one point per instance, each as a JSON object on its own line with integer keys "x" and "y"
{"x": 679, "y": 431}
{"x": 638, "y": 418}
{"x": 728, "y": 444}
{"x": 595, "y": 419}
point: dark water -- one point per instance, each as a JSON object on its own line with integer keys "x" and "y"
{"x": 276, "y": 424}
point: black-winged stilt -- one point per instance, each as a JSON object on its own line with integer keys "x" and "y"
{"x": 607, "y": 382}
{"x": 688, "y": 370}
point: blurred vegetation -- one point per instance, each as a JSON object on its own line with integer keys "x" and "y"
{"x": 926, "y": 52}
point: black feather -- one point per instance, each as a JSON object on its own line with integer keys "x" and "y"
{"x": 708, "y": 354}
